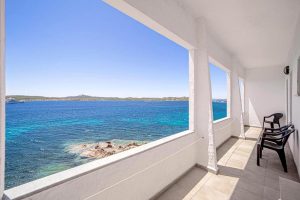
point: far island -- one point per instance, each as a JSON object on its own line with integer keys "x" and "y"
{"x": 24, "y": 98}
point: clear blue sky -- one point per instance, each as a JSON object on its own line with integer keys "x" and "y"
{"x": 218, "y": 82}
{"x": 72, "y": 47}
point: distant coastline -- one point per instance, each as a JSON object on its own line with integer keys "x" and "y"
{"x": 25, "y": 98}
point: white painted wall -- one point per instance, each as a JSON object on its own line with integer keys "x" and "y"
{"x": 223, "y": 131}
{"x": 294, "y": 140}
{"x": 264, "y": 94}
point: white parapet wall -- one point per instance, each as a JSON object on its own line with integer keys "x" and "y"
{"x": 222, "y": 130}
{"x": 138, "y": 173}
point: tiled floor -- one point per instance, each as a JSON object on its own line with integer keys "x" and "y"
{"x": 239, "y": 178}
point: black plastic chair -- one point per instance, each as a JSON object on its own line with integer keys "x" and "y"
{"x": 275, "y": 141}
{"x": 276, "y": 118}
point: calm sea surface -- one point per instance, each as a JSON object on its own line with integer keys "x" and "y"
{"x": 38, "y": 133}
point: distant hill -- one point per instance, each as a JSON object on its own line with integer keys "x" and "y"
{"x": 91, "y": 98}
{"x": 220, "y": 100}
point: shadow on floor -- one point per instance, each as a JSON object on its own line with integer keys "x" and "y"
{"x": 223, "y": 149}
{"x": 183, "y": 187}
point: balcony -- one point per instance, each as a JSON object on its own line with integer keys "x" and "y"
{"x": 255, "y": 40}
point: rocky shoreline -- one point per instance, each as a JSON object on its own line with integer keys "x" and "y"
{"x": 102, "y": 149}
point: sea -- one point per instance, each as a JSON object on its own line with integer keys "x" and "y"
{"x": 38, "y": 133}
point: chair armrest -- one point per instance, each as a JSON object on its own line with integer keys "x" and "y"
{"x": 279, "y": 138}
{"x": 272, "y": 134}
{"x": 272, "y": 139}
{"x": 280, "y": 129}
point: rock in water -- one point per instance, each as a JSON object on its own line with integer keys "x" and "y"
{"x": 102, "y": 149}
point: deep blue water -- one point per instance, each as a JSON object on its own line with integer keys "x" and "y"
{"x": 38, "y": 133}
{"x": 219, "y": 110}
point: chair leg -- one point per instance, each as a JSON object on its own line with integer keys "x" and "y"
{"x": 261, "y": 149}
{"x": 258, "y": 156}
{"x": 282, "y": 159}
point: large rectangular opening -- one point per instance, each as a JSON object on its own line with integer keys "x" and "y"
{"x": 220, "y": 88}
{"x": 79, "y": 94}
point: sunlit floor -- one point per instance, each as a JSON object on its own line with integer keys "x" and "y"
{"x": 239, "y": 177}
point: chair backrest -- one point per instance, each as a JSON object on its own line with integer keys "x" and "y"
{"x": 287, "y": 134}
{"x": 277, "y": 117}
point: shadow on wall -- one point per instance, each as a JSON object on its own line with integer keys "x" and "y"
{"x": 253, "y": 117}
{"x": 256, "y": 113}
{"x": 264, "y": 94}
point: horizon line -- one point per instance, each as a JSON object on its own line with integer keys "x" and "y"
{"x": 90, "y": 96}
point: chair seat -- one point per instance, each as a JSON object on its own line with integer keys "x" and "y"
{"x": 272, "y": 145}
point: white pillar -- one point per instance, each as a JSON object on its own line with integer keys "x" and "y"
{"x": 236, "y": 103}
{"x": 203, "y": 98}
{"x": 288, "y": 87}
{"x": 192, "y": 90}
{"x": 2, "y": 95}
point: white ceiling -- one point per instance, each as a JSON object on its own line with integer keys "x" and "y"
{"x": 258, "y": 32}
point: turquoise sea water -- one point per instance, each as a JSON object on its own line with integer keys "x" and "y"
{"x": 38, "y": 133}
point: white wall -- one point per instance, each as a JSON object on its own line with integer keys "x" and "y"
{"x": 223, "y": 131}
{"x": 294, "y": 140}
{"x": 264, "y": 94}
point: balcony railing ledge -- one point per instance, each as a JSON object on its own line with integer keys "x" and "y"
{"x": 36, "y": 186}
{"x": 221, "y": 120}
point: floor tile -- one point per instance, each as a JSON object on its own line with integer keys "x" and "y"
{"x": 271, "y": 194}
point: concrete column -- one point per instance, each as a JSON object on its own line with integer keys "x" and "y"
{"x": 203, "y": 98}
{"x": 288, "y": 99}
{"x": 192, "y": 90}
{"x": 236, "y": 103}
{"x": 2, "y": 95}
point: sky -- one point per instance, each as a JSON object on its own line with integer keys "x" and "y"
{"x": 73, "y": 47}
{"x": 218, "y": 82}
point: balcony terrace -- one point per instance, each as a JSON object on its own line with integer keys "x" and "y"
{"x": 254, "y": 40}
